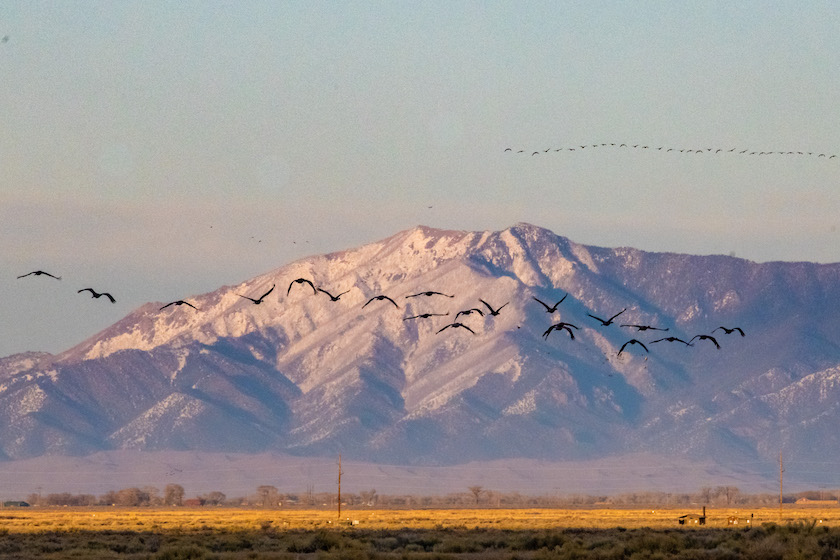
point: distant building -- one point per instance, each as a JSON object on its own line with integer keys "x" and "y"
{"x": 690, "y": 519}
{"x": 15, "y": 504}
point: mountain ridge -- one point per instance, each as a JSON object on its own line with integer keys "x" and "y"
{"x": 305, "y": 375}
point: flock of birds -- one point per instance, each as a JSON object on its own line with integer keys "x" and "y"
{"x": 664, "y": 149}
{"x": 488, "y": 310}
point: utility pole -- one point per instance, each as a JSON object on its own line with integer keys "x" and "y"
{"x": 781, "y": 470}
{"x": 339, "y": 485}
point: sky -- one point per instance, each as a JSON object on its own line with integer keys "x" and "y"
{"x": 158, "y": 150}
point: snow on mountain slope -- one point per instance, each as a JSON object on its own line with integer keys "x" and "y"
{"x": 302, "y": 374}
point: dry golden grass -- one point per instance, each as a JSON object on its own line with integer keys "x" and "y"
{"x": 186, "y": 519}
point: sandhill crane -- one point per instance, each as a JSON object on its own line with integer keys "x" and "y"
{"x": 609, "y": 321}
{"x": 493, "y": 312}
{"x": 670, "y": 339}
{"x": 261, "y": 298}
{"x": 560, "y": 326}
{"x": 96, "y": 294}
{"x": 552, "y": 308}
{"x": 730, "y": 331}
{"x": 39, "y": 273}
{"x": 425, "y": 316}
{"x": 179, "y": 302}
{"x": 380, "y": 298}
{"x": 641, "y": 328}
{"x": 705, "y": 337}
{"x": 456, "y": 325}
{"x": 631, "y": 342}
{"x": 429, "y": 293}
{"x": 301, "y": 281}
{"x": 333, "y": 297}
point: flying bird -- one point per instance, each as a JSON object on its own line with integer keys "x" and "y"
{"x": 301, "y": 281}
{"x": 705, "y": 337}
{"x": 560, "y": 326}
{"x": 179, "y": 302}
{"x": 425, "y": 316}
{"x": 730, "y": 331}
{"x": 429, "y": 293}
{"x": 332, "y": 297}
{"x": 380, "y": 298}
{"x": 671, "y": 339}
{"x": 631, "y": 341}
{"x": 470, "y": 312}
{"x": 39, "y": 273}
{"x": 261, "y": 298}
{"x": 609, "y": 321}
{"x": 96, "y": 294}
{"x": 461, "y": 325}
{"x": 493, "y": 312}
{"x": 550, "y": 309}
{"x": 644, "y": 328}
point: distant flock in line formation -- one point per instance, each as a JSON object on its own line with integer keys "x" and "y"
{"x": 490, "y": 311}
{"x": 738, "y": 151}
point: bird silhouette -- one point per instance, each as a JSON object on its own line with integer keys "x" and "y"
{"x": 39, "y": 273}
{"x": 671, "y": 339}
{"x": 493, "y": 312}
{"x": 301, "y": 281}
{"x": 641, "y": 328}
{"x": 429, "y": 293}
{"x": 705, "y": 337}
{"x": 470, "y": 312}
{"x": 179, "y": 302}
{"x": 96, "y": 294}
{"x": 560, "y": 326}
{"x": 261, "y": 298}
{"x": 380, "y": 298}
{"x": 456, "y": 325}
{"x": 609, "y": 321}
{"x": 631, "y": 341}
{"x": 332, "y": 297}
{"x": 425, "y": 316}
{"x": 730, "y": 331}
{"x": 548, "y": 308}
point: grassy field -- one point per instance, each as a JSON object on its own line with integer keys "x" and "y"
{"x": 223, "y": 534}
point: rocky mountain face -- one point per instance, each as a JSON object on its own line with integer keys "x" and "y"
{"x": 302, "y": 374}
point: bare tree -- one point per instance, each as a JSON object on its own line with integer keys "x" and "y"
{"x": 368, "y": 497}
{"x": 730, "y": 493}
{"x": 267, "y": 495}
{"x": 476, "y": 492}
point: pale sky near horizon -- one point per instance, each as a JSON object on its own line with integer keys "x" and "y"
{"x": 158, "y": 150}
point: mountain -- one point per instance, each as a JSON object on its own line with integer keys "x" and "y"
{"x": 300, "y": 374}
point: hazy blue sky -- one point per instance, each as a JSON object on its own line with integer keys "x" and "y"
{"x": 130, "y": 128}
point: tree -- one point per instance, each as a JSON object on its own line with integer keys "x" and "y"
{"x": 131, "y": 497}
{"x": 173, "y": 495}
{"x": 215, "y": 498}
{"x": 267, "y": 495}
{"x": 153, "y": 493}
{"x": 368, "y": 497}
{"x": 476, "y": 492}
{"x": 730, "y": 493}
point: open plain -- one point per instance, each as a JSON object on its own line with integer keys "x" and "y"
{"x": 225, "y": 533}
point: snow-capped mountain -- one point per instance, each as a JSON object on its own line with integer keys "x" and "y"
{"x": 300, "y": 373}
